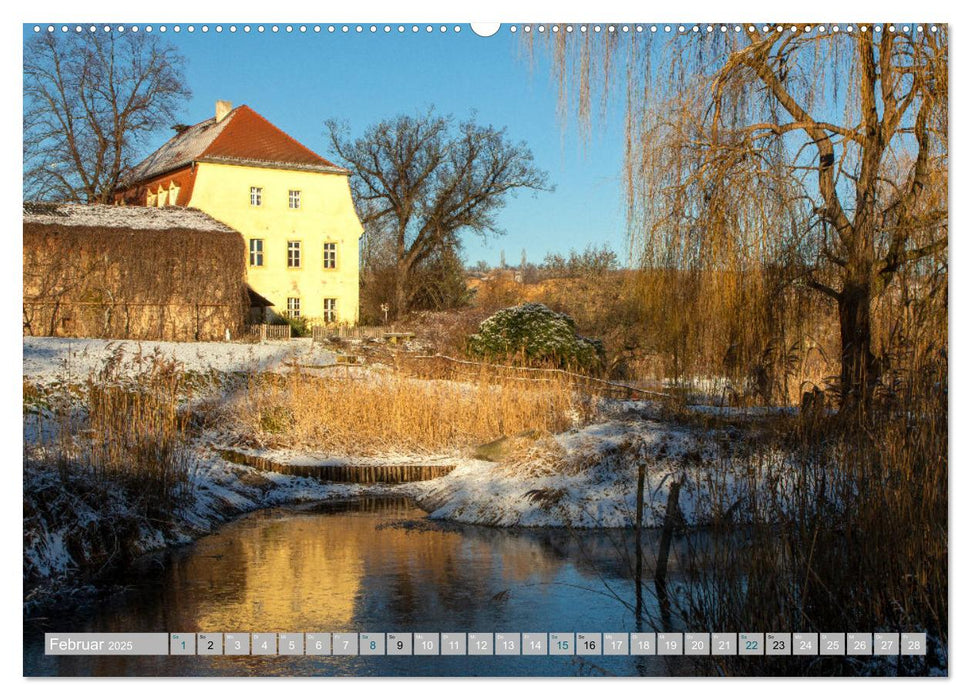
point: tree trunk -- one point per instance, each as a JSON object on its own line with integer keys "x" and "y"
{"x": 401, "y": 290}
{"x": 858, "y": 375}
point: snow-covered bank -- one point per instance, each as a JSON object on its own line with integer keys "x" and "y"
{"x": 587, "y": 478}
{"x": 47, "y": 359}
{"x": 74, "y": 534}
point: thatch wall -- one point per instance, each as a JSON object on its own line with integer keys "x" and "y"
{"x": 175, "y": 283}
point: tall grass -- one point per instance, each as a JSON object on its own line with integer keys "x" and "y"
{"x": 106, "y": 470}
{"x": 121, "y": 434}
{"x": 400, "y": 413}
{"x": 136, "y": 435}
{"x": 852, "y": 538}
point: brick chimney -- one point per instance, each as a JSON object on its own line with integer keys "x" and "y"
{"x": 222, "y": 109}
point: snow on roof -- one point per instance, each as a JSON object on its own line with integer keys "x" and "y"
{"x": 108, "y": 216}
{"x": 181, "y": 149}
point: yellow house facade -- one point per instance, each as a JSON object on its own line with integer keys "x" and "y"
{"x": 293, "y": 208}
{"x": 301, "y": 234}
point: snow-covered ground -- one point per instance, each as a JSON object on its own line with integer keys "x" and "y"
{"x": 49, "y": 359}
{"x": 587, "y": 478}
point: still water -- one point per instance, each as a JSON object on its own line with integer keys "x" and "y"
{"x": 371, "y": 565}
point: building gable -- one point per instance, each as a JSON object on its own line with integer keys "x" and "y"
{"x": 252, "y": 140}
{"x": 238, "y": 136}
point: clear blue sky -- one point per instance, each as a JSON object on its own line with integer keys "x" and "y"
{"x": 298, "y": 81}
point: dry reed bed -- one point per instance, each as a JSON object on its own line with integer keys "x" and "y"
{"x": 394, "y": 413}
{"x": 855, "y": 538}
{"x": 106, "y": 463}
{"x": 129, "y": 434}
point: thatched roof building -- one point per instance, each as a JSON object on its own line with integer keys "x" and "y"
{"x": 131, "y": 272}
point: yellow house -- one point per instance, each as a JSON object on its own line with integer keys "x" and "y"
{"x": 293, "y": 208}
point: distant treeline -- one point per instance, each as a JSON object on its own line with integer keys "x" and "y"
{"x": 591, "y": 261}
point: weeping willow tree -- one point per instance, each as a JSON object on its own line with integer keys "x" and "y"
{"x": 770, "y": 168}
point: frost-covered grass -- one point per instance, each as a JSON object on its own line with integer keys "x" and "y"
{"x": 117, "y": 457}
{"x": 809, "y": 526}
{"x": 587, "y": 478}
{"x": 116, "y": 464}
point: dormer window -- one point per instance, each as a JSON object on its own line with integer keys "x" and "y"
{"x": 294, "y": 199}
{"x": 256, "y": 196}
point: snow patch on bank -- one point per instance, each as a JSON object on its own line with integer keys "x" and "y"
{"x": 587, "y": 478}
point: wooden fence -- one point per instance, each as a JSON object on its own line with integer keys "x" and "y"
{"x": 601, "y": 386}
{"x": 320, "y": 334}
{"x": 324, "y": 333}
{"x": 265, "y": 331}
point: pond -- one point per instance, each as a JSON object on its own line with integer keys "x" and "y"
{"x": 368, "y": 565}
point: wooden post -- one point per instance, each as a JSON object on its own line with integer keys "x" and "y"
{"x": 671, "y": 516}
{"x": 638, "y": 550}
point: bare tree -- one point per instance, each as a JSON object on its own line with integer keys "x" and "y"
{"x": 822, "y": 152}
{"x": 423, "y": 181}
{"x": 89, "y": 100}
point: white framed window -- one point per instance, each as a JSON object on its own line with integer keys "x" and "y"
{"x": 330, "y": 256}
{"x": 293, "y": 253}
{"x": 330, "y": 310}
{"x": 294, "y": 199}
{"x": 256, "y": 252}
{"x": 256, "y": 196}
{"x": 293, "y": 307}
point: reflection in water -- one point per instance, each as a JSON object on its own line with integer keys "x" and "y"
{"x": 368, "y": 565}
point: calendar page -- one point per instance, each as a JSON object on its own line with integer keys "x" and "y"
{"x": 515, "y": 349}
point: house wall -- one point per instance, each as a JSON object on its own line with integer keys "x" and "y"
{"x": 326, "y": 214}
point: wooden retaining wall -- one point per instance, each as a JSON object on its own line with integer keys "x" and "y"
{"x": 344, "y": 473}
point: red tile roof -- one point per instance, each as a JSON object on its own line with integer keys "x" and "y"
{"x": 242, "y": 137}
{"x": 250, "y": 137}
